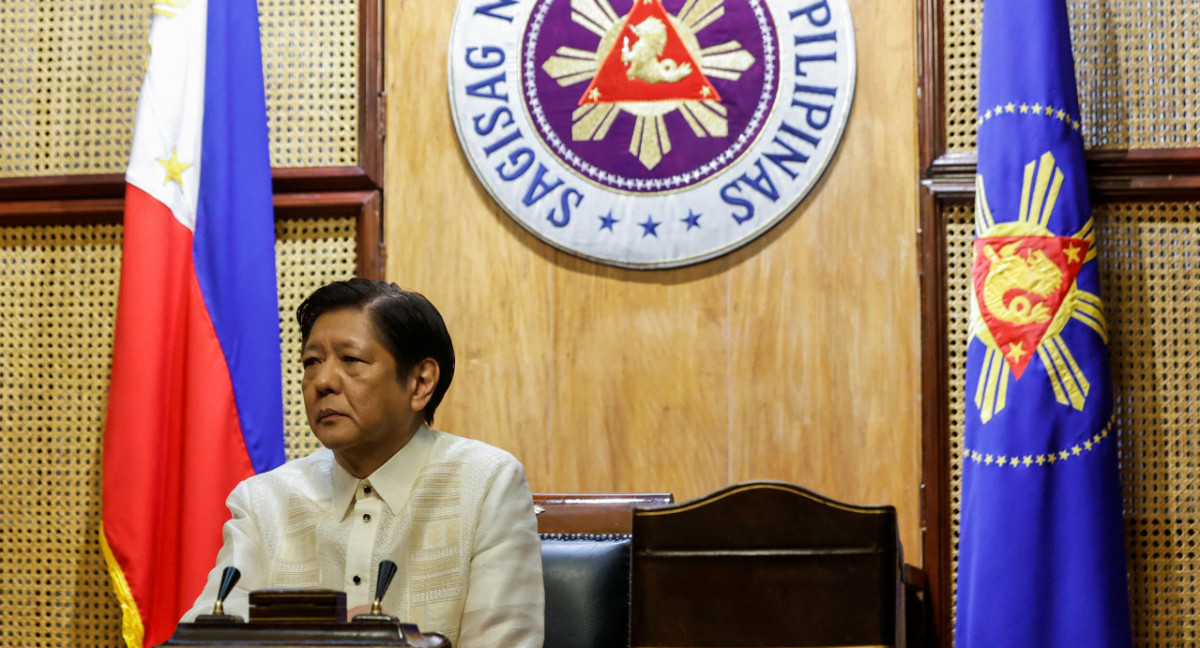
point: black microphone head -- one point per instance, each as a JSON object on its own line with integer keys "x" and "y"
{"x": 229, "y": 578}
{"x": 387, "y": 570}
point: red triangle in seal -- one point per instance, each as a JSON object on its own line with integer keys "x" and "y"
{"x": 1020, "y": 285}
{"x": 648, "y": 62}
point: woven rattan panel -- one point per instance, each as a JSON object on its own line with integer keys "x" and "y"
{"x": 310, "y": 63}
{"x": 1150, "y": 265}
{"x": 1135, "y": 65}
{"x": 309, "y": 254}
{"x": 59, "y": 286}
{"x": 70, "y": 72}
{"x": 59, "y": 291}
{"x": 960, "y": 233}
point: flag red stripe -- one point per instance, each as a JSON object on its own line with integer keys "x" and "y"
{"x": 169, "y": 376}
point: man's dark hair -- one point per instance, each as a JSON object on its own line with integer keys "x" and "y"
{"x": 405, "y": 323}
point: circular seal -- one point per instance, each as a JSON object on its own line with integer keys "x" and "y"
{"x": 650, "y": 133}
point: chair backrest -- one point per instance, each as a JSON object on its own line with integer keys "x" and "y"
{"x": 585, "y": 566}
{"x": 766, "y": 564}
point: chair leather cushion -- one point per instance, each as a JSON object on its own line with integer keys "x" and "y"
{"x": 587, "y": 591}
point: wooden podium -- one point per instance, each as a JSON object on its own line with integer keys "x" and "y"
{"x": 356, "y": 634}
{"x": 293, "y": 618}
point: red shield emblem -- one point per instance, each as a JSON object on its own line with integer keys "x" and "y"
{"x": 1021, "y": 283}
{"x": 648, "y": 62}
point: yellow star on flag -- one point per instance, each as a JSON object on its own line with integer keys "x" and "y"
{"x": 1015, "y": 351}
{"x": 174, "y": 168}
{"x": 1072, "y": 253}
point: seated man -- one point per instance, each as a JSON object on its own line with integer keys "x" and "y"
{"x": 455, "y": 515}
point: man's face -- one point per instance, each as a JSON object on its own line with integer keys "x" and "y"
{"x": 356, "y": 403}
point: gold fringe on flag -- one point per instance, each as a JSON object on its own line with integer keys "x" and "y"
{"x": 131, "y": 620}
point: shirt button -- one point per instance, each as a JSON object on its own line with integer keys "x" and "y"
{"x": 357, "y": 580}
{"x": 367, "y": 490}
{"x": 366, "y": 517}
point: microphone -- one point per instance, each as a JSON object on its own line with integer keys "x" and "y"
{"x": 229, "y": 578}
{"x": 387, "y": 571}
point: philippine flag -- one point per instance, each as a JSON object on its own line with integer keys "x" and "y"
{"x": 195, "y": 403}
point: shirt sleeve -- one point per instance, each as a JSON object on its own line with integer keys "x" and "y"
{"x": 241, "y": 548}
{"x": 505, "y": 596}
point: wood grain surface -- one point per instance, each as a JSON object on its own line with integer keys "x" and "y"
{"x": 794, "y": 358}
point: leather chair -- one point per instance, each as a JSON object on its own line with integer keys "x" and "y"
{"x": 585, "y": 566}
{"x": 587, "y": 590}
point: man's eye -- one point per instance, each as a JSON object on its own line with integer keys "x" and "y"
{"x": 308, "y": 362}
{"x": 352, "y": 359}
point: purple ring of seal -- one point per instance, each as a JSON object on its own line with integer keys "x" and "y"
{"x": 692, "y": 159}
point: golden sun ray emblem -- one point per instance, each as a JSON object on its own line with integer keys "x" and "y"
{"x": 644, "y": 46}
{"x": 1025, "y": 293}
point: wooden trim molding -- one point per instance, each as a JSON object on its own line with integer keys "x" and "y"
{"x": 935, "y": 419}
{"x": 371, "y": 247}
{"x": 112, "y": 185}
{"x": 108, "y": 185}
{"x": 89, "y": 211}
{"x": 938, "y": 182}
{"x": 931, "y": 97}
{"x": 372, "y": 105}
{"x": 363, "y": 206}
{"x": 1133, "y": 175}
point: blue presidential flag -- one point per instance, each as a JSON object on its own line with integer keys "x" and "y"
{"x": 1041, "y": 542}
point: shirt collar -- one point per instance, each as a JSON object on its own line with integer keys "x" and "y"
{"x": 393, "y": 481}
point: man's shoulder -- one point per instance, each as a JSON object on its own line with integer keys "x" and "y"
{"x": 298, "y": 475}
{"x": 471, "y": 453}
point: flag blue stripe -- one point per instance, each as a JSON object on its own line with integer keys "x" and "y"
{"x": 234, "y": 243}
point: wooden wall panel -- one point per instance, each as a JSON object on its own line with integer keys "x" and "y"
{"x": 826, "y": 309}
{"x": 641, "y": 389}
{"x": 453, "y": 245}
{"x": 794, "y": 358}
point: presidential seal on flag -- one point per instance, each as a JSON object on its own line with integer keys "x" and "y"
{"x": 650, "y": 133}
{"x": 1026, "y": 292}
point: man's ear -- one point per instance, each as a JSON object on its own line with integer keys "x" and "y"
{"x": 422, "y": 380}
